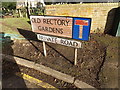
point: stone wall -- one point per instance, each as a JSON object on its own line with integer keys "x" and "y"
{"x": 97, "y": 11}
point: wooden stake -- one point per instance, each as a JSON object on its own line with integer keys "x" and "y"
{"x": 75, "y": 62}
{"x": 44, "y": 48}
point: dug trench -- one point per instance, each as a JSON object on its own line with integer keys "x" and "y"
{"x": 91, "y": 57}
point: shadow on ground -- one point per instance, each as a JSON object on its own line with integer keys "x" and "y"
{"x": 31, "y": 36}
{"x": 9, "y": 69}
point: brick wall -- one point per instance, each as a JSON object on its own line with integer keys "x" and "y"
{"x": 97, "y": 11}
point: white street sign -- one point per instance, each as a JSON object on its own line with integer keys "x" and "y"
{"x": 56, "y": 40}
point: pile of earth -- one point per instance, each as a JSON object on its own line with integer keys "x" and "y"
{"x": 61, "y": 58}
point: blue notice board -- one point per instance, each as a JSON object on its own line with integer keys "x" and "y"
{"x": 81, "y": 28}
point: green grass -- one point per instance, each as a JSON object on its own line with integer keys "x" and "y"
{"x": 9, "y": 26}
{"x": 17, "y": 22}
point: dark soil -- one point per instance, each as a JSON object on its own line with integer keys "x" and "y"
{"x": 91, "y": 57}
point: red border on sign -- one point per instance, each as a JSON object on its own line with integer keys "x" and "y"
{"x": 81, "y": 22}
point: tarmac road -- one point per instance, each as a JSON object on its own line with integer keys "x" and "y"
{"x": 15, "y": 76}
{"x": 22, "y": 80}
{"x": 14, "y": 81}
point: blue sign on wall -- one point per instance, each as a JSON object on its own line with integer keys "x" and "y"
{"x": 81, "y": 28}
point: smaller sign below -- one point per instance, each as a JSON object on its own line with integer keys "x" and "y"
{"x": 56, "y": 40}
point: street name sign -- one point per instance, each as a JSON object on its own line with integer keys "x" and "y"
{"x": 70, "y": 27}
{"x": 56, "y": 40}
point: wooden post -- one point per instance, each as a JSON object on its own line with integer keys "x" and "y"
{"x": 28, "y": 10}
{"x": 75, "y": 62}
{"x": 44, "y": 48}
{"x": 20, "y": 13}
